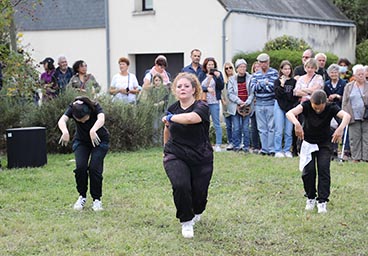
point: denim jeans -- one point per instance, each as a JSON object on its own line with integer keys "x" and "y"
{"x": 283, "y": 128}
{"x": 266, "y": 127}
{"x": 322, "y": 157}
{"x": 229, "y": 129}
{"x": 85, "y": 152}
{"x": 215, "y": 115}
{"x": 255, "y": 143}
{"x": 240, "y": 130}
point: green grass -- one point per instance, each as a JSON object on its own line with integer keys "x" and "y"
{"x": 255, "y": 207}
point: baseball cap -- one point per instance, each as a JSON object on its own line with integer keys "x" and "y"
{"x": 47, "y": 60}
{"x": 238, "y": 62}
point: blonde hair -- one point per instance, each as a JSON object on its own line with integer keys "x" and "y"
{"x": 311, "y": 63}
{"x": 226, "y": 77}
{"x": 194, "y": 82}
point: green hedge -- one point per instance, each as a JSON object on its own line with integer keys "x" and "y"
{"x": 130, "y": 126}
{"x": 362, "y": 53}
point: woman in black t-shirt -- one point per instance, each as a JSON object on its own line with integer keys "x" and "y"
{"x": 188, "y": 154}
{"x": 90, "y": 143}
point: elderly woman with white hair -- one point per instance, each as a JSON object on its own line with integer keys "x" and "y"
{"x": 355, "y": 102}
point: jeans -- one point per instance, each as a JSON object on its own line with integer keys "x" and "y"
{"x": 215, "y": 115}
{"x": 240, "y": 129}
{"x": 322, "y": 156}
{"x": 283, "y": 128}
{"x": 266, "y": 127}
{"x": 229, "y": 129}
{"x": 255, "y": 143}
{"x": 94, "y": 168}
{"x": 190, "y": 185}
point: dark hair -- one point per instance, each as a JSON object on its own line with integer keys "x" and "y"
{"x": 319, "y": 97}
{"x": 284, "y": 63}
{"x": 50, "y": 66}
{"x": 345, "y": 60}
{"x": 161, "y": 62}
{"x": 159, "y": 76}
{"x": 205, "y": 62}
{"x": 81, "y": 110}
{"x": 77, "y": 65}
{"x": 125, "y": 60}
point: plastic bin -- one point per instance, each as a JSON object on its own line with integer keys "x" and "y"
{"x": 26, "y": 147}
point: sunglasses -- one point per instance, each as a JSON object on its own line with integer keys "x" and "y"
{"x": 227, "y": 68}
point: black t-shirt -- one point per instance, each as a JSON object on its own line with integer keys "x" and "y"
{"x": 317, "y": 126}
{"x": 190, "y": 142}
{"x": 82, "y": 129}
{"x": 285, "y": 95}
{"x": 299, "y": 71}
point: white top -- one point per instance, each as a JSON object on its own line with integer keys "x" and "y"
{"x": 122, "y": 82}
{"x": 305, "y": 155}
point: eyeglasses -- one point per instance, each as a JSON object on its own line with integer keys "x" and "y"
{"x": 227, "y": 68}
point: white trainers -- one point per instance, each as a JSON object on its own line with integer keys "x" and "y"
{"x": 310, "y": 204}
{"x": 288, "y": 154}
{"x": 197, "y": 218}
{"x": 217, "y": 148}
{"x": 279, "y": 155}
{"x": 322, "y": 207}
{"x": 187, "y": 229}
{"x": 230, "y": 147}
{"x": 81, "y": 202}
{"x": 97, "y": 205}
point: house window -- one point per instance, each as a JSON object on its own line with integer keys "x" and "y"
{"x": 147, "y": 5}
{"x": 143, "y": 7}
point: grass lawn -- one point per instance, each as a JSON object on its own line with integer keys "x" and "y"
{"x": 255, "y": 207}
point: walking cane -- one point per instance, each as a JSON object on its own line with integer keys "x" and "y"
{"x": 343, "y": 144}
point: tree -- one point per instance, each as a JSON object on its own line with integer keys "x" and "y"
{"x": 357, "y": 11}
{"x": 20, "y": 78}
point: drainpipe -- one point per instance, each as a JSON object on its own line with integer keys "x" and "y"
{"x": 107, "y": 24}
{"x": 224, "y": 35}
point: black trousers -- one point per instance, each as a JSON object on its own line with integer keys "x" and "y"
{"x": 322, "y": 158}
{"x": 89, "y": 162}
{"x": 190, "y": 185}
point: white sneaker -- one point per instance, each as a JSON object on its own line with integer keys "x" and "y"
{"x": 217, "y": 148}
{"x": 97, "y": 205}
{"x": 81, "y": 202}
{"x": 187, "y": 229}
{"x": 310, "y": 204}
{"x": 322, "y": 207}
{"x": 279, "y": 155}
{"x": 288, "y": 154}
{"x": 230, "y": 147}
{"x": 197, "y": 218}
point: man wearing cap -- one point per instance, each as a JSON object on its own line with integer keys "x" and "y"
{"x": 63, "y": 73}
{"x": 241, "y": 97}
{"x": 48, "y": 79}
{"x": 263, "y": 85}
{"x": 195, "y": 67}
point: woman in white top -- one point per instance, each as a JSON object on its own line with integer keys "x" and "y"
{"x": 124, "y": 85}
{"x": 309, "y": 82}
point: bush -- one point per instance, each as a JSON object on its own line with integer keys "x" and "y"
{"x": 362, "y": 53}
{"x": 286, "y": 43}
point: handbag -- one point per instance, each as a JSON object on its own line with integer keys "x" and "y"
{"x": 243, "y": 110}
{"x": 365, "y": 115}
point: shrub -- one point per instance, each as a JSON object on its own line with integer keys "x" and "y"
{"x": 286, "y": 43}
{"x": 362, "y": 53}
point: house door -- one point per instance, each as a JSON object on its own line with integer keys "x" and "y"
{"x": 175, "y": 62}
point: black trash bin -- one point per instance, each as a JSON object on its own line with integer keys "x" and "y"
{"x": 26, "y": 147}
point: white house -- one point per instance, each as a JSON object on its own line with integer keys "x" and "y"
{"x": 101, "y": 31}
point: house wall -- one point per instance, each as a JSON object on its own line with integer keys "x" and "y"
{"x": 176, "y": 27}
{"x": 250, "y": 33}
{"x": 88, "y": 45}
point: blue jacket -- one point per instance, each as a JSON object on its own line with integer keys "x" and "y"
{"x": 338, "y": 90}
{"x": 189, "y": 69}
